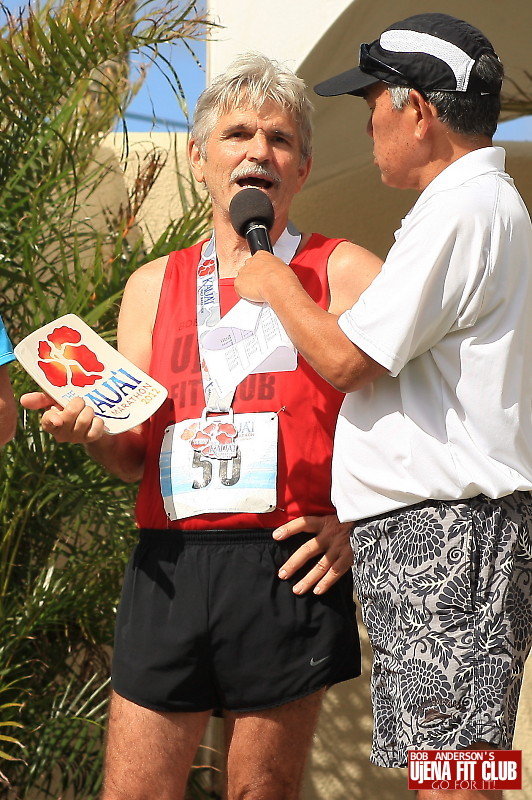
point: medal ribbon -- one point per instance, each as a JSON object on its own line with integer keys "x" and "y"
{"x": 208, "y": 304}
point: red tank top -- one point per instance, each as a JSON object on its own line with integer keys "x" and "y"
{"x": 306, "y": 426}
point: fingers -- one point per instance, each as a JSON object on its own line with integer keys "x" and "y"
{"x": 76, "y": 423}
{"x": 250, "y": 281}
{"x": 322, "y": 575}
{"x": 331, "y": 543}
{"x": 36, "y": 400}
{"x": 298, "y": 525}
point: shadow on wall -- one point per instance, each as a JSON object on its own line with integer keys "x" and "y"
{"x": 146, "y": 181}
{"x": 339, "y": 767}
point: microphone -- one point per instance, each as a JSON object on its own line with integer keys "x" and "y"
{"x": 252, "y": 217}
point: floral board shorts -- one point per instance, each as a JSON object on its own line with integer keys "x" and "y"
{"x": 445, "y": 590}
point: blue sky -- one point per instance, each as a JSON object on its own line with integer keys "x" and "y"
{"x": 517, "y": 130}
{"x": 156, "y": 97}
{"x": 156, "y": 94}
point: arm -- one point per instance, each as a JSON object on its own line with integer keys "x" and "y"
{"x": 122, "y": 454}
{"x": 350, "y": 270}
{"x": 8, "y": 408}
{"x": 314, "y": 331}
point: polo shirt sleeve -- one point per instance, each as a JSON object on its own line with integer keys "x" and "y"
{"x": 6, "y": 349}
{"x": 431, "y": 282}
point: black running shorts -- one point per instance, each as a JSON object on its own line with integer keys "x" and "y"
{"x": 205, "y": 623}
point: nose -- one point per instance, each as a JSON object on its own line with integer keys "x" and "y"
{"x": 369, "y": 128}
{"x": 258, "y": 147}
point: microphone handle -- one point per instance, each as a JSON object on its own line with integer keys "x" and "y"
{"x": 258, "y": 238}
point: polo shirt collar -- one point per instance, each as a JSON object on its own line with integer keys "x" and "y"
{"x": 467, "y": 167}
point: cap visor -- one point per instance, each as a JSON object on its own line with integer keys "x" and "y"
{"x": 354, "y": 81}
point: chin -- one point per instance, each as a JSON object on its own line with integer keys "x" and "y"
{"x": 389, "y": 180}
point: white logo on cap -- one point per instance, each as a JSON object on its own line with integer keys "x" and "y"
{"x": 415, "y": 42}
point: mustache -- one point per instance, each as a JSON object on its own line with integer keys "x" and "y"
{"x": 258, "y": 171}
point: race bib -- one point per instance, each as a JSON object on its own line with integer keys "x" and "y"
{"x": 222, "y": 463}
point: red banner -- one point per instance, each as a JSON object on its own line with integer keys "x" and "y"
{"x": 473, "y": 770}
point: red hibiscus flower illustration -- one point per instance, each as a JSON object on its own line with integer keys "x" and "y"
{"x": 226, "y": 433}
{"x": 207, "y": 268}
{"x": 64, "y": 361}
{"x": 210, "y": 441}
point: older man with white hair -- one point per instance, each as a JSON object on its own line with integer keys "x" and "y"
{"x": 231, "y": 603}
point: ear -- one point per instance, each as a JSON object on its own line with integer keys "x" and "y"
{"x": 196, "y": 161}
{"x": 426, "y": 113}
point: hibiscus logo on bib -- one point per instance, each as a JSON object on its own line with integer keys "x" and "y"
{"x": 216, "y": 440}
{"x": 66, "y": 362}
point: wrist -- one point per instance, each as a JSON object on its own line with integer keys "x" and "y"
{"x": 278, "y": 283}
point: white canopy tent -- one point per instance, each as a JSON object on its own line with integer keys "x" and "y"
{"x": 344, "y": 195}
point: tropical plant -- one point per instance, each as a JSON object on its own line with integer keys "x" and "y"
{"x": 66, "y": 525}
{"x": 517, "y": 97}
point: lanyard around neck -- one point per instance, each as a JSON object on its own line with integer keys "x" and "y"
{"x": 208, "y": 303}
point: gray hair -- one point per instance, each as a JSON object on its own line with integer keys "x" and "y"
{"x": 253, "y": 79}
{"x": 467, "y": 114}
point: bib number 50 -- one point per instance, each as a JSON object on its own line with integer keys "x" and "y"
{"x": 225, "y": 466}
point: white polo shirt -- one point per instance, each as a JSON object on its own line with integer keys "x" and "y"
{"x": 450, "y": 318}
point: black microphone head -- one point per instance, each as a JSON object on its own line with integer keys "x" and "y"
{"x": 250, "y": 205}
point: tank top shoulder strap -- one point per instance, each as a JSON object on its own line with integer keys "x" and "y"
{"x": 317, "y": 250}
{"x": 179, "y": 284}
{"x": 311, "y": 263}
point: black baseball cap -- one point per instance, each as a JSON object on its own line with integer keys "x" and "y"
{"x": 429, "y": 52}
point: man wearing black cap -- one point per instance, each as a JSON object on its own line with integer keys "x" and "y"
{"x": 433, "y": 447}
